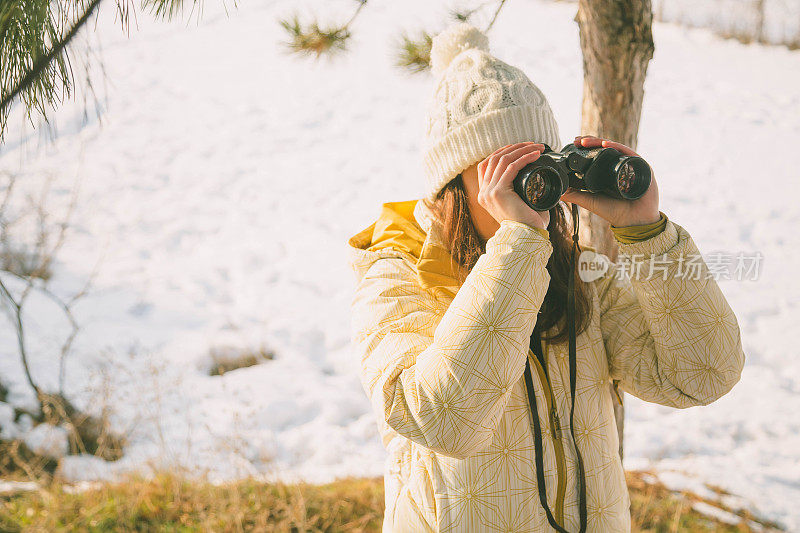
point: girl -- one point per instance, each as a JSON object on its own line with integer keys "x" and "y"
{"x": 459, "y": 321}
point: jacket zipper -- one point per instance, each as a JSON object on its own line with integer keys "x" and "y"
{"x": 555, "y": 433}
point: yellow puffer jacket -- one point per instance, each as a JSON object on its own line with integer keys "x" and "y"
{"x": 443, "y": 367}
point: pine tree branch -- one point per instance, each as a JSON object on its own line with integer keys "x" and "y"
{"x": 16, "y": 308}
{"x": 497, "y": 12}
{"x": 43, "y": 62}
{"x": 361, "y": 4}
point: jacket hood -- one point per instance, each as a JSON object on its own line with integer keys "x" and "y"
{"x": 405, "y": 229}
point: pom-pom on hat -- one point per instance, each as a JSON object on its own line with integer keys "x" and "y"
{"x": 452, "y": 42}
{"x": 479, "y": 104}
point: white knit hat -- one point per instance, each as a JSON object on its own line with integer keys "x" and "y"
{"x": 479, "y": 104}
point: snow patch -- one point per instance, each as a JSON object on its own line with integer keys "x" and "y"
{"x": 48, "y": 440}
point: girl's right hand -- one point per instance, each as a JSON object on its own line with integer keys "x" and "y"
{"x": 496, "y": 192}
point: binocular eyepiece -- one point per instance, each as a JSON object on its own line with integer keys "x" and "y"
{"x": 598, "y": 170}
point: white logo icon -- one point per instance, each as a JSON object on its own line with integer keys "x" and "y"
{"x": 592, "y": 266}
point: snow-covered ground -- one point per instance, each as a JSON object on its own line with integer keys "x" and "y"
{"x": 221, "y": 187}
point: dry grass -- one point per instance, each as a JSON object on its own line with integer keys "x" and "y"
{"x": 656, "y": 508}
{"x": 170, "y": 503}
{"x": 226, "y": 359}
{"x": 22, "y": 263}
{"x": 86, "y": 435}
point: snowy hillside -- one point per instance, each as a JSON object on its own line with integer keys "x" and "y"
{"x": 220, "y": 187}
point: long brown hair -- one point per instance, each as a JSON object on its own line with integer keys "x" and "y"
{"x": 451, "y": 207}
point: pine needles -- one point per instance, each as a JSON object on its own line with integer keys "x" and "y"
{"x": 415, "y": 54}
{"x": 36, "y": 36}
{"x": 30, "y": 30}
{"x": 313, "y": 39}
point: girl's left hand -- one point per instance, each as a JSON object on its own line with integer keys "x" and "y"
{"x": 616, "y": 211}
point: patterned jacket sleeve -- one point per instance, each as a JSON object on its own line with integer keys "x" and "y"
{"x": 671, "y": 339}
{"x": 444, "y": 383}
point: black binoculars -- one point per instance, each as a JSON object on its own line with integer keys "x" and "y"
{"x": 597, "y": 170}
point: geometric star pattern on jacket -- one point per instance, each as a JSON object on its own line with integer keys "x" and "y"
{"x": 443, "y": 363}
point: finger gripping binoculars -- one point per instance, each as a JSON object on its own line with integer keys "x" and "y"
{"x": 598, "y": 170}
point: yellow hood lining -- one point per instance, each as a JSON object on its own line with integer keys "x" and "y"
{"x": 398, "y": 229}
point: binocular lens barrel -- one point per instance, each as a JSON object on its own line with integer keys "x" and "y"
{"x": 600, "y": 171}
{"x": 632, "y": 177}
{"x": 626, "y": 178}
{"x": 534, "y": 186}
{"x": 540, "y": 188}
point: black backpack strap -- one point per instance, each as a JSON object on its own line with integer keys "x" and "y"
{"x": 573, "y": 364}
{"x": 539, "y": 453}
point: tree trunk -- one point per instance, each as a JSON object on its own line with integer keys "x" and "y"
{"x": 617, "y": 44}
{"x": 758, "y": 33}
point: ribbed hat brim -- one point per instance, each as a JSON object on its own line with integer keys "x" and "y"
{"x": 473, "y": 141}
